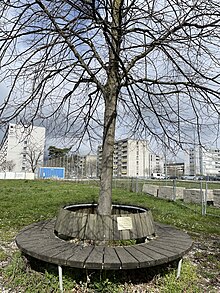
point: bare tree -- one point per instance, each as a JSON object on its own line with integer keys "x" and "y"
{"x": 152, "y": 64}
{"x": 8, "y": 166}
{"x": 34, "y": 157}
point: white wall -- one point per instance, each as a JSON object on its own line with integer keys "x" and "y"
{"x": 17, "y": 175}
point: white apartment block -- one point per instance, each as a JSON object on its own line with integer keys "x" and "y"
{"x": 22, "y": 149}
{"x": 86, "y": 166}
{"x": 91, "y": 165}
{"x": 156, "y": 164}
{"x": 201, "y": 161}
{"x": 132, "y": 158}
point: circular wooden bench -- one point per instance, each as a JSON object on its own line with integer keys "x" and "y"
{"x": 39, "y": 241}
{"x": 81, "y": 240}
{"x": 81, "y": 221}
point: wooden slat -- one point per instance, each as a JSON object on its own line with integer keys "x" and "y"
{"x": 95, "y": 259}
{"x": 158, "y": 258}
{"x": 54, "y": 255}
{"x": 41, "y": 249}
{"x": 166, "y": 246}
{"x": 63, "y": 255}
{"x": 138, "y": 231}
{"x": 111, "y": 260}
{"x": 99, "y": 230}
{"x": 127, "y": 260}
{"x": 63, "y": 217}
{"x": 116, "y": 232}
{"x": 175, "y": 242}
{"x": 82, "y": 225}
{"x": 72, "y": 230}
{"x": 150, "y": 224}
{"x": 80, "y": 254}
{"x": 163, "y": 251}
{"x": 90, "y": 230}
{"x": 143, "y": 259}
{"x": 144, "y": 224}
{"x": 107, "y": 220}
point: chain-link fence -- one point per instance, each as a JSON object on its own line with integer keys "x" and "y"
{"x": 187, "y": 193}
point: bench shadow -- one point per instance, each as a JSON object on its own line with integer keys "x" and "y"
{"x": 122, "y": 276}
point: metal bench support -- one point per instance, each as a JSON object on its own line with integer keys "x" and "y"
{"x": 60, "y": 278}
{"x": 179, "y": 268}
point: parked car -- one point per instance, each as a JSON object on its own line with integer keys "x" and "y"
{"x": 157, "y": 176}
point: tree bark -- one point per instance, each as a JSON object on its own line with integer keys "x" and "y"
{"x": 105, "y": 195}
{"x": 111, "y": 93}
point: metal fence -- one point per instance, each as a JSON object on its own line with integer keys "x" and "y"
{"x": 201, "y": 193}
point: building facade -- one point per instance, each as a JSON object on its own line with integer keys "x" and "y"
{"x": 87, "y": 166}
{"x": 200, "y": 161}
{"x": 76, "y": 166}
{"x": 132, "y": 158}
{"x": 22, "y": 148}
{"x": 156, "y": 164}
{"x": 174, "y": 169}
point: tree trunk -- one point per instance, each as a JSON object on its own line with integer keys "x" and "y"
{"x": 111, "y": 93}
{"x": 105, "y": 196}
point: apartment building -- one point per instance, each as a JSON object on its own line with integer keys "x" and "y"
{"x": 132, "y": 158}
{"x": 85, "y": 166}
{"x": 76, "y": 166}
{"x": 200, "y": 161}
{"x": 156, "y": 164}
{"x": 22, "y": 148}
{"x": 174, "y": 169}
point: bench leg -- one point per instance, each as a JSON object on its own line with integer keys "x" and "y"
{"x": 60, "y": 278}
{"x": 179, "y": 268}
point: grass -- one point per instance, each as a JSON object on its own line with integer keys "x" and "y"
{"x": 43, "y": 278}
{"x": 187, "y": 283}
{"x": 24, "y": 202}
{"x": 134, "y": 183}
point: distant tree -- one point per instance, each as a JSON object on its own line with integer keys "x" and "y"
{"x": 150, "y": 67}
{"x": 55, "y": 152}
{"x": 34, "y": 157}
{"x": 7, "y": 166}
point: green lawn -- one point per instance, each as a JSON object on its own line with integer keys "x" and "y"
{"x": 24, "y": 202}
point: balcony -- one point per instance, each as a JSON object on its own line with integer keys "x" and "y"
{"x": 124, "y": 172}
